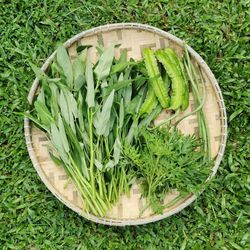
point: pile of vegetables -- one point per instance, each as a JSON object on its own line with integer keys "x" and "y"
{"x": 100, "y": 120}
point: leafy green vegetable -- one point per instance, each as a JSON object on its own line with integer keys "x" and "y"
{"x": 90, "y": 97}
{"x": 105, "y": 62}
{"x": 166, "y": 160}
{"x": 64, "y": 62}
{"x": 102, "y": 118}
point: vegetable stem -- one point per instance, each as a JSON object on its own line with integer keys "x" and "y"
{"x": 92, "y": 177}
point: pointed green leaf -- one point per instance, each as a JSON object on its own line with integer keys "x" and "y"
{"x": 118, "y": 85}
{"x": 54, "y": 100}
{"x": 90, "y": 98}
{"x": 41, "y": 97}
{"x": 37, "y": 122}
{"x": 78, "y": 72}
{"x": 102, "y": 123}
{"x": 109, "y": 165}
{"x": 65, "y": 63}
{"x": 98, "y": 165}
{"x": 117, "y": 150}
{"x": 64, "y": 107}
{"x": 105, "y": 62}
{"x": 132, "y": 132}
{"x": 57, "y": 142}
{"x": 38, "y": 72}
{"x": 148, "y": 119}
{"x": 55, "y": 159}
{"x": 121, "y": 66}
{"x": 78, "y": 154}
{"x": 83, "y": 55}
{"x": 63, "y": 134}
{"x": 71, "y": 102}
{"x": 121, "y": 114}
{"x": 123, "y": 56}
{"x": 80, "y": 111}
{"x": 43, "y": 113}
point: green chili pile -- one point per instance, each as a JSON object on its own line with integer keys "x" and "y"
{"x": 100, "y": 121}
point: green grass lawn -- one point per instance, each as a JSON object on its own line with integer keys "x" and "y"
{"x": 31, "y": 217}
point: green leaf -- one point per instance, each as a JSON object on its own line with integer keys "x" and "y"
{"x": 121, "y": 114}
{"x": 38, "y": 72}
{"x": 68, "y": 106}
{"x": 133, "y": 106}
{"x": 123, "y": 56}
{"x": 56, "y": 70}
{"x": 43, "y": 113}
{"x": 117, "y": 86}
{"x": 79, "y": 82}
{"x": 121, "y": 66}
{"x": 41, "y": 97}
{"x": 54, "y": 100}
{"x": 127, "y": 95}
{"x": 148, "y": 119}
{"x": 65, "y": 63}
{"x": 102, "y": 118}
{"x": 109, "y": 165}
{"x": 78, "y": 72}
{"x": 112, "y": 119}
{"x": 71, "y": 102}
{"x": 117, "y": 150}
{"x": 64, "y": 107}
{"x": 36, "y": 121}
{"x": 98, "y": 165}
{"x": 105, "y": 62}
{"x": 55, "y": 159}
{"x": 57, "y": 142}
{"x": 63, "y": 134}
{"x": 76, "y": 152}
{"x": 90, "y": 97}
{"x": 83, "y": 48}
{"x": 80, "y": 111}
{"x": 132, "y": 132}
{"x": 83, "y": 55}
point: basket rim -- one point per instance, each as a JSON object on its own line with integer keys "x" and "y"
{"x": 202, "y": 63}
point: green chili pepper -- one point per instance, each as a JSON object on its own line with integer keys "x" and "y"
{"x": 155, "y": 79}
{"x": 171, "y": 64}
{"x": 150, "y": 101}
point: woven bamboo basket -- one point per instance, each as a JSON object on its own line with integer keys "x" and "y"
{"x": 134, "y": 37}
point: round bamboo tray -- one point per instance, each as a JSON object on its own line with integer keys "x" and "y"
{"x": 134, "y": 37}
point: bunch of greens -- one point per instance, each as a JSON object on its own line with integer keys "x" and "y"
{"x": 98, "y": 118}
{"x": 165, "y": 159}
